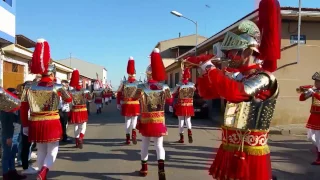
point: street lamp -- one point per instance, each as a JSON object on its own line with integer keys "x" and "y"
{"x": 176, "y": 13}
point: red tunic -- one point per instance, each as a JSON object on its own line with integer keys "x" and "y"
{"x": 129, "y": 106}
{"x": 183, "y": 107}
{"x": 79, "y": 113}
{"x": 45, "y": 126}
{"x": 314, "y": 118}
{"x": 152, "y": 124}
{"x": 104, "y": 94}
{"x": 215, "y": 85}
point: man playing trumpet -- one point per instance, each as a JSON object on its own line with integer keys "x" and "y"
{"x": 313, "y": 123}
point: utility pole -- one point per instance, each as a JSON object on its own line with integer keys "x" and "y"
{"x": 70, "y": 59}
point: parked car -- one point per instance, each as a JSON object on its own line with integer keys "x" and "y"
{"x": 201, "y": 108}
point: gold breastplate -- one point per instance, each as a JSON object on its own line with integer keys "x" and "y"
{"x": 153, "y": 100}
{"x": 78, "y": 97}
{"x": 97, "y": 94}
{"x": 42, "y": 99}
{"x": 315, "y": 101}
{"x": 129, "y": 89}
{"x": 186, "y": 91}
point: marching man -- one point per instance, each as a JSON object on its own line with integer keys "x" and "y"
{"x": 244, "y": 152}
{"x": 153, "y": 96}
{"x": 184, "y": 91}
{"x": 79, "y": 114}
{"x": 97, "y": 95}
{"x": 313, "y": 123}
{"x": 42, "y": 98}
{"x": 105, "y": 96}
{"x": 130, "y": 107}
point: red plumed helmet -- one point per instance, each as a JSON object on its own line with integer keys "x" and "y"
{"x": 158, "y": 70}
{"x": 130, "y": 67}
{"x": 270, "y": 28}
{"x": 75, "y": 78}
{"x": 40, "y": 58}
{"x": 186, "y": 74}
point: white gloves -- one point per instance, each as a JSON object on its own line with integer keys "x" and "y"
{"x": 25, "y": 131}
{"x": 310, "y": 90}
{"x": 171, "y": 109}
{"x": 203, "y": 67}
{"x": 119, "y": 106}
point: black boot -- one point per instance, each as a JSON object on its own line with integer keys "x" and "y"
{"x": 161, "y": 173}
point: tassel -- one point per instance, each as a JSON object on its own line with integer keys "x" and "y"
{"x": 270, "y": 28}
{"x": 242, "y": 167}
{"x": 130, "y": 67}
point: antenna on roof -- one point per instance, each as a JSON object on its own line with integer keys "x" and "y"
{"x": 70, "y": 58}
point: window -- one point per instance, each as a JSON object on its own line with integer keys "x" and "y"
{"x": 176, "y": 78}
{"x": 9, "y": 2}
{"x": 171, "y": 80}
{"x": 15, "y": 67}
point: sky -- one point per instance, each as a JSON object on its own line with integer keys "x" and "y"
{"x": 108, "y": 32}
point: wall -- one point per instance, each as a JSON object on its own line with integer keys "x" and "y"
{"x": 62, "y": 75}
{"x": 13, "y": 59}
{"x": 8, "y": 20}
{"x": 289, "y": 110}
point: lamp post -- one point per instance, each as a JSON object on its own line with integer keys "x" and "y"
{"x": 176, "y": 13}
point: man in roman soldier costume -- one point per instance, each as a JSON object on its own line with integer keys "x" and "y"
{"x": 130, "y": 107}
{"x": 105, "y": 96}
{"x": 151, "y": 125}
{"x": 42, "y": 98}
{"x": 244, "y": 153}
{"x": 79, "y": 114}
{"x": 313, "y": 124}
{"x": 184, "y": 91}
{"x": 109, "y": 94}
{"x": 97, "y": 96}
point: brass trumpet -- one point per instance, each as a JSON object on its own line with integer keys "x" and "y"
{"x": 303, "y": 89}
{"x": 214, "y": 60}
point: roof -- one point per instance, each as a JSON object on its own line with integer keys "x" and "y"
{"x": 87, "y": 69}
{"x": 24, "y": 41}
{"x": 285, "y": 11}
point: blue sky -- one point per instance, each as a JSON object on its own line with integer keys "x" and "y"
{"x": 107, "y": 32}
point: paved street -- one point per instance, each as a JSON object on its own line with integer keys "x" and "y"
{"x": 106, "y": 157}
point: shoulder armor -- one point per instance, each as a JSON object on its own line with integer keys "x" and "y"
{"x": 27, "y": 86}
{"x": 261, "y": 81}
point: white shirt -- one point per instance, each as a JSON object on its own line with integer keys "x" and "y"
{"x": 65, "y": 107}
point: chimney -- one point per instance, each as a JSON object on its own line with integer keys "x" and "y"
{"x": 179, "y": 34}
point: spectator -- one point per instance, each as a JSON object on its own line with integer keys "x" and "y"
{"x": 64, "y": 109}
{"x": 9, "y": 143}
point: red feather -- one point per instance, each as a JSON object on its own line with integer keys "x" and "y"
{"x": 158, "y": 70}
{"x": 270, "y": 27}
{"x": 75, "y": 77}
{"x": 130, "y": 67}
{"x": 41, "y": 58}
{"x": 186, "y": 74}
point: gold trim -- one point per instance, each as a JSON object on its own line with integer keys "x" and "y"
{"x": 79, "y": 110}
{"x": 130, "y": 102}
{"x": 243, "y": 130}
{"x": 250, "y": 150}
{"x": 44, "y": 117}
{"x": 152, "y": 120}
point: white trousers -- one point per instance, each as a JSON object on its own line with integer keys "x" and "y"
{"x": 47, "y": 154}
{"x": 98, "y": 106}
{"x": 314, "y": 137}
{"x": 106, "y": 99}
{"x": 158, "y": 143}
{"x": 80, "y": 128}
{"x": 182, "y": 120}
{"x": 131, "y": 123}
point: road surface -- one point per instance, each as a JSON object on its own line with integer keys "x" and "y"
{"x": 105, "y": 157}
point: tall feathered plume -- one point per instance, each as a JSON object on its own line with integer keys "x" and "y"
{"x": 186, "y": 73}
{"x": 270, "y": 28}
{"x": 130, "y": 67}
{"x": 40, "y": 58}
{"x": 75, "y": 77}
{"x": 158, "y": 70}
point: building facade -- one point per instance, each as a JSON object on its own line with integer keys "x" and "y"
{"x": 87, "y": 69}
{"x": 172, "y": 48}
{"x": 7, "y": 22}
{"x": 292, "y": 71}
